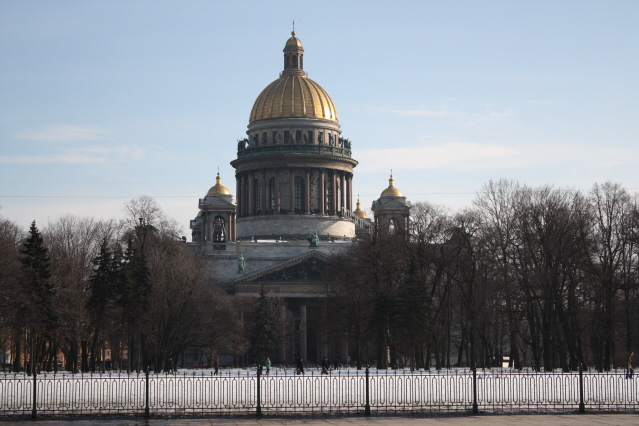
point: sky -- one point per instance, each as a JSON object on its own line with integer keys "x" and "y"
{"x": 102, "y": 102}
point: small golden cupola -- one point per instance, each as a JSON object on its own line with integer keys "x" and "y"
{"x": 359, "y": 212}
{"x": 391, "y": 191}
{"x": 218, "y": 189}
{"x": 293, "y": 56}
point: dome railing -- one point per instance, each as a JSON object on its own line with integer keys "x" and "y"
{"x": 253, "y": 151}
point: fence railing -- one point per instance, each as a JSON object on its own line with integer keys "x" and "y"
{"x": 341, "y": 391}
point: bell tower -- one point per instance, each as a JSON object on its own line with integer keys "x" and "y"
{"x": 392, "y": 210}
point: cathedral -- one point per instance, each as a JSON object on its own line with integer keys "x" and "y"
{"x": 292, "y": 209}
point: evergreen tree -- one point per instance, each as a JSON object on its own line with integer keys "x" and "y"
{"x": 40, "y": 314}
{"x": 134, "y": 289}
{"x": 99, "y": 304}
{"x": 264, "y": 329}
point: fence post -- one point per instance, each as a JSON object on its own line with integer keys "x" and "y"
{"x": 146, "y": 408}
{"x": 367, "y": 407}
{"x": 475, "y": 408}
{"x": 34, "y": 410}
{"x": 258, "y": 411}
{"x": 582, "y": 406}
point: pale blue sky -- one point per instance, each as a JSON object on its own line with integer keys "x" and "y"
{"x": 101, "y": 102}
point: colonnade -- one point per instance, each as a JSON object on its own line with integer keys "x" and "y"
{"x": 341, "y": 350}
{"x": 335, "y": 187}
{"x": 208, "y": 225}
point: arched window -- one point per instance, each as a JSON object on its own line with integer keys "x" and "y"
{"x": 287, "y": 62}
{"x": 294, "y": 61}
{"x": 299, "y": 194}
{"x": 271, "y": 194}
{"x": 256, "y": 196}
{"x": 219, "y": 230}
{"x": 392, "y": 225}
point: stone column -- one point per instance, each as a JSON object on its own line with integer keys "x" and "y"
{"x": 291, "y": 192}
{"x": 282, "y": 349}
{"x": 349, "y": 198}
{"x": 307, "y": 195}
{"x": 342, "y": 192}
{"x": 321, "y": 192}
{"x": 232, "y": 227}
{"x": 303, "y": 337}
{"x": 238, "y": 186}
{"x": 334, "y": 193}
{"x": 323, "y": 343}
{"x": 242, "y": 199}
{"x": 263, "y": 188}
{"x": 277, "y": 192}
{"x": 251, "y": 194}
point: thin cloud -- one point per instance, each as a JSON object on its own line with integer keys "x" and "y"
{"x": 419, "y": 113}
{"x": 90, "y": 154}
{"x": 55, "y": 158}
{"x": 477, "y": 156}
{"x": 415, "y": 112}
{"x": 64, "y": 133}
{"x": 451, "y": 155}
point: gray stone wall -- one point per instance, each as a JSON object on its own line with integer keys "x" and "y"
{"x": 292, "y": 224}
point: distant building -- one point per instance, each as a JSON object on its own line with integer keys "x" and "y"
{"x": 294, "y": 177}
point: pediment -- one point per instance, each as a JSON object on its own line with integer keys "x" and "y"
{"x": 308, "y": 267}
{"x": 398, "y": 202}
{"x": 216, "y": 202}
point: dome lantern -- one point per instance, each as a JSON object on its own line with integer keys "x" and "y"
{"x": 293, "y": 56}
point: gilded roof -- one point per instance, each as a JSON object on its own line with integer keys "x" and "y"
{"x": 391, "y": 191}
{"x": 293, "y": 42}
{"x": 218, "y": 189}
{"x": 359, "y": 212}
{"x": 293, "y": 96}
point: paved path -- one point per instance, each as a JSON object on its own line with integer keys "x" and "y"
{"x": 518, "y": 419}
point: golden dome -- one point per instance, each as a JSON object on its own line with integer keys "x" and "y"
{"x": 293, "y": 42}
{"x": 359, "y": 212}
{"x": 293, "y": 96}
{"x": 391, "y": 191}
{"x": 218, "y": 189}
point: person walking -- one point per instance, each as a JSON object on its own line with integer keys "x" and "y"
{"x": 325, "y": 365}
{"x": 299, "y": 366}
{"x": 267, "y": 364}
{"x": 216, "y": 364}
{"x": 629, "y": 370}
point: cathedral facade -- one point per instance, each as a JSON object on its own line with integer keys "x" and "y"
{"x": 292, "y": 210}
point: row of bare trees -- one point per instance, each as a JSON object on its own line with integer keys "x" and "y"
{"x": 124, "y": 291}
{"x": 545, "y": 276}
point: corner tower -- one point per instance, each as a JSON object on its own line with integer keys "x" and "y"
{"x": 392, "y": 210}
{"x": 294, "y": 171}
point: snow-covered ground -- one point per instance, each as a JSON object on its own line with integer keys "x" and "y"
{"x": 235, "y": 391}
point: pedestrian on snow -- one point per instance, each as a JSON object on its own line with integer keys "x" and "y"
{"x": 216, "y": 365}
{"x": 268, "y": 365}
{"x": 335, "y": 365}
{"x": 325, "y": 365}
{"x": 629, "y": 370}
{"x": 299, "y": 366}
